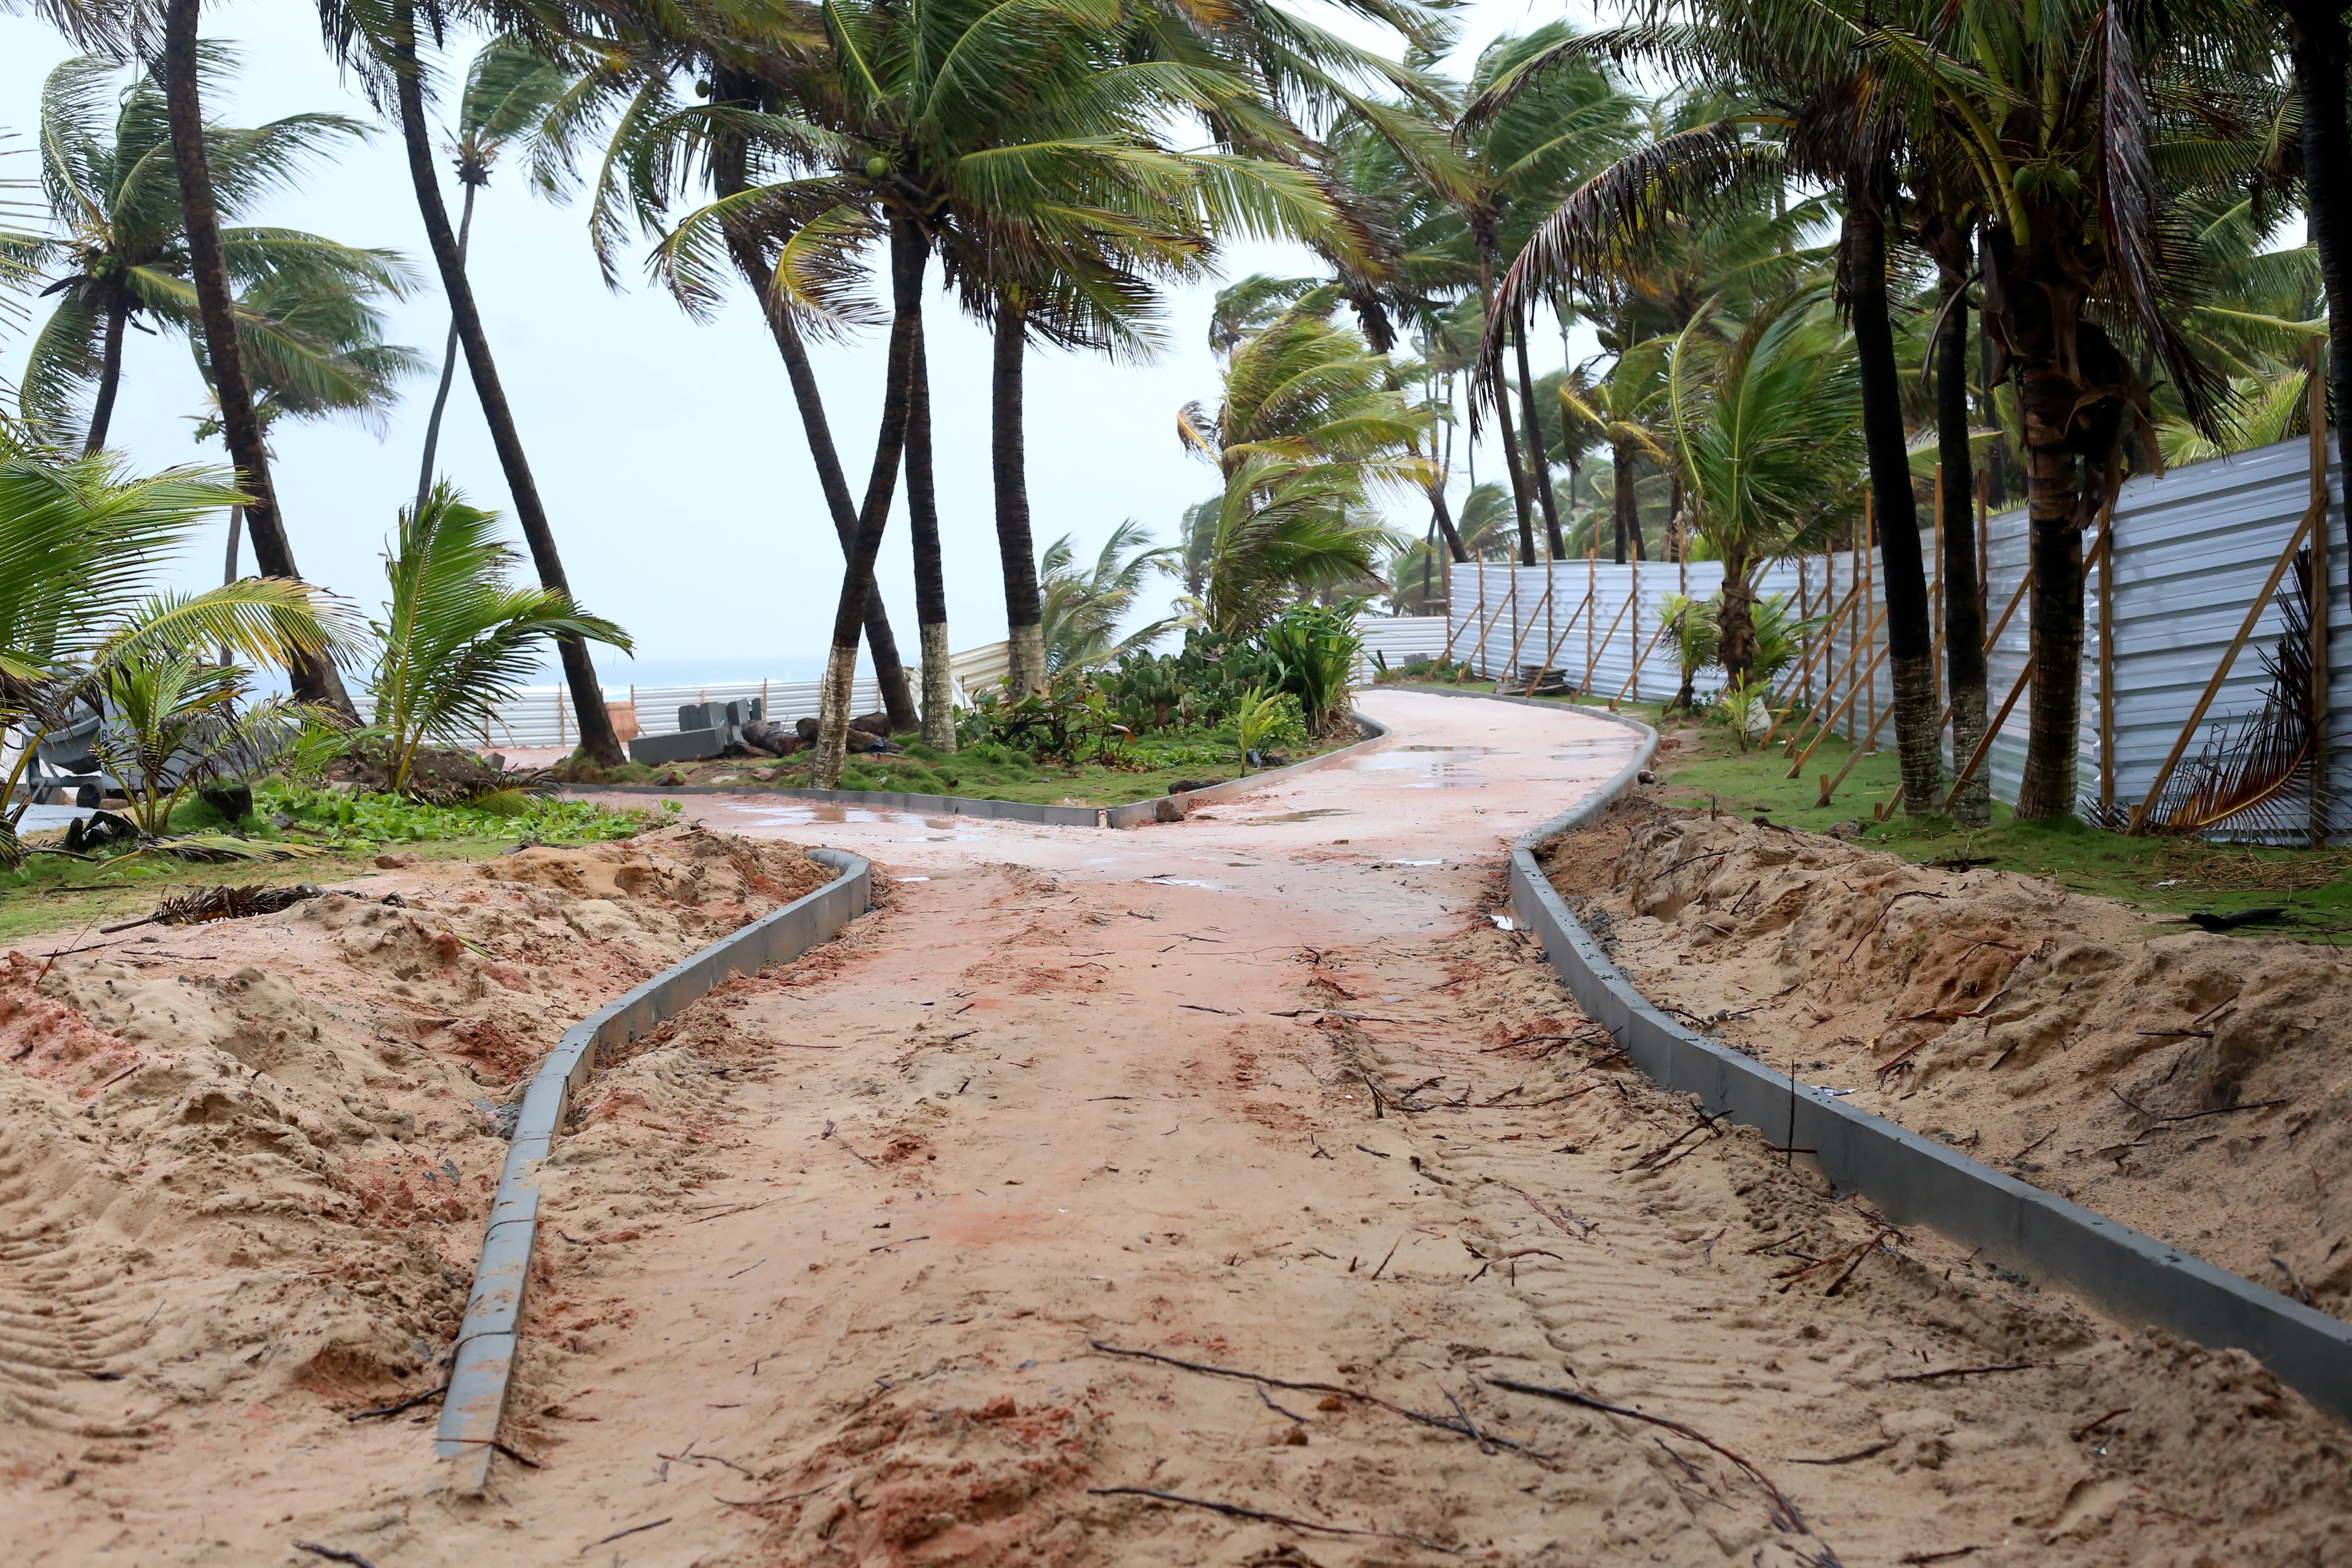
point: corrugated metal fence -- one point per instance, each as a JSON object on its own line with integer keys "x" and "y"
{"x": 2190, "y": 551}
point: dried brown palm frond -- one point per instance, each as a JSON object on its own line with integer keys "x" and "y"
{"x": 221, "y": 903}
{"x": 2255, "y": 773}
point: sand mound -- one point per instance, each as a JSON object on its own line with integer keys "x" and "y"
{"x": 2194, "y": 1086}
{"x": 245, "y": 1166}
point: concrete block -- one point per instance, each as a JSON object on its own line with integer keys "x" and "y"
{"x": 654, "y": 751}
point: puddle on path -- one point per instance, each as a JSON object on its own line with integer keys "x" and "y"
{"x": 1299, "y": 816}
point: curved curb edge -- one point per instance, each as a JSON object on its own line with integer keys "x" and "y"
{"x": 1915, "y": 1179}
{"x": 490, "y": 1335}
{"x": 1133, "y": 813}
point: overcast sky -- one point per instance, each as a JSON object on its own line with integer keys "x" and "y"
{"x": 669, "y": 452}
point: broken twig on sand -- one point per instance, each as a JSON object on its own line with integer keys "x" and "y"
{"x": 1235, "y": 1510}
{"x": 1440, "y": 1421}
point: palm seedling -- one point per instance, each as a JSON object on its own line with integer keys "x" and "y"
{"x": 82, "y": 544}
{"x": 174, "y": 723}
{"x": 457, "y": 636}
{"x": 1082, "y": 609}
{"x": 117, "y": 254}
{"x": 1309, "y": 425}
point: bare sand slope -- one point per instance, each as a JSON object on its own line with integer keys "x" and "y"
{"x": 841, "y": 1267}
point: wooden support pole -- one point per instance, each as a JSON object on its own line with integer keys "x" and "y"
{"x": 1662, "y": 624}
{"x": 2097, "y": 557}
{"x": 1826, "y": 646}
{"x": 2107, "y": 689}
{"x": 1877, "y": 655}
{"x": 2322, "y": 782}
{"x": 2222, "y": 673}
{"x": 1553, "y": 651}
{"x": 1634, "y": 637}
{"x": 1830, "y": 786}
{"x": 1868, "y": 639}
{"x": 1511, "y": 665}
{"x": 1624, "y": 605}
{"x": 1591, "y": 587}
{"x": 1869, "y": 569}
{"x": 1484, "y": 631}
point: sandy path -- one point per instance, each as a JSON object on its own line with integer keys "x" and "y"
{"x": 1073, "y": 1088}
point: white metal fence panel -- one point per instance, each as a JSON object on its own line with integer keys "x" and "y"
{"x": 1397, "y": 638}
{"x": 544, "y": 715}
{"x": 2192, "y": 549}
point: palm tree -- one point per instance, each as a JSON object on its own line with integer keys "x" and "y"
{"x": 1552, "y": 135}
{"x": 1766, "y": 430}
{"x": 929, "y": 150}
{"x": 322, "y": 356}
{"x": 394, "y": 52}
{"x": 117, "y": 254}
{"x": 509, "y": 90}
{"x": 1310, "y": 425}
{"x": 457, "y": 637}
{"x": 2079, "y": 263}
{"x": 179, "y": 67}
{"x": 1623, "y": 409}
{"x": 1082, "y": 608}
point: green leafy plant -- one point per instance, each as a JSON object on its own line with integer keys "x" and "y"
{"x": 174, "y": 724}
{"x": 335, "y": 816}
{"x": 456, "y": 635}
{"x": 1264, "y": 718}
{"x": 1313, "y": 649}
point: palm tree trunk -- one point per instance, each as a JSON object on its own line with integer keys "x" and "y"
{"x": 1910, "y": 623}
{"x": 1964, "y": 610}
{"x": 1735, "y": 621}
{"x": 314, "y": 677}
{"x": 109, "y": 377}
{"x": 1520, "y": 504}
{"x": 1624, "y": 505}
{"x": 907, "y": 254}
{"x": 1539, "y": 471}
{"x": 1443, "y": 516}
{"x": 596, "y": 736}
{"x": 2318, "y": 46}
{"x": 448, "y": 371}
{"x": 1996, "y": 454}
{"x": 228, "y": 571}
{"x": 1025, "y": 616}
{"x": 729, "y": 177}
{"x": 2053, "y": 499}
{"x": 931, "y": 581}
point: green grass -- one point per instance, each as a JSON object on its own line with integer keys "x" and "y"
{"x": 1705, "y": 769}
{"x": 996, "y": 772}
{"x": 57, "y": 893}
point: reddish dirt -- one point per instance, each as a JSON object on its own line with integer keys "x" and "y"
{"x": 841, "y": 1269}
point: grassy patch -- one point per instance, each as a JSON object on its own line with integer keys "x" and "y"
{"x": 1705, "y": 769}
{"x": 998, "y": 773}
{"x": 58, "y": 893}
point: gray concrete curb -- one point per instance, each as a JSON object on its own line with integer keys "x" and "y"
{"x": 1134, "y": 814}
{"x": 1915, "y": 1179}
{"x": 490, "y": 1335}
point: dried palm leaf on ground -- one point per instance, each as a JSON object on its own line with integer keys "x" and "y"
{"x": 216, "y": 848}
{"x": 221, "y": 903}
{"x": 2256, "y": 774}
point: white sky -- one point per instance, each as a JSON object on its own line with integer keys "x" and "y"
{"x": 668, "y": 453}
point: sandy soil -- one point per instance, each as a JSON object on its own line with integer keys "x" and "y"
{"x": 1265, "y": 1091}
{"x": 244, "y": 1167}
{"x": 2194, "y": 1086}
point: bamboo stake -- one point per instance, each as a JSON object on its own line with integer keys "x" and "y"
{"x": 1832, "y": 675}
{"x": 1633, "y": 636}
{"x": 1591, "y": 586}
{"x": 1878, "y": 653}
{"x": 2213, "y": 686}
{"x": 1553, "y": 651}
{"x": 2097, "y": 557}
{"x": 1513, "y": 662}
{"x": 2322, "y": 782}
{"x": 1870, "y": 566}
{"x": 1452, "y": 631}
{"x": 1622, "y": 606}
{"x": 2106, "y": 689}
{"x": 1483, "y": 632}
{"x": 1804, "y": 612}
{"x": 1827, "y": 647}
{"x": 1830, "y": 786}
{"x": 1662, "y": 624}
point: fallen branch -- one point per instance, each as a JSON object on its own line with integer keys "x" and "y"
{"x": 1961, "y": 1372}
{"x": 1440, "y": 1421}
{"x": 1788, "y": 1518}
{"x": 788, "y": 1497}
{"x": 1876, "y": 1448}
{"x": 1235, "y": 1510}
{"x": 411, "y": 1403}
{"x": 334, "y": 1554}
{"x": 633, "y": 1529}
